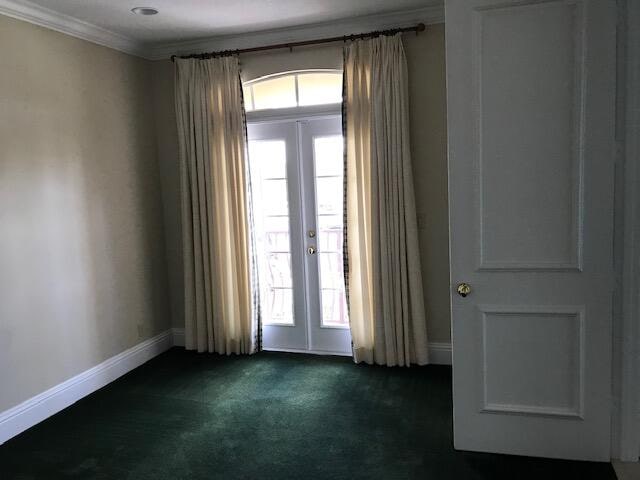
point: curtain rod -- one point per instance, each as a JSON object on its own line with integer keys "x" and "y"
{"x": 224, "y": 53}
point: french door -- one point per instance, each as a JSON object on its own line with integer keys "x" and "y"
{"x": 297, "y": 214}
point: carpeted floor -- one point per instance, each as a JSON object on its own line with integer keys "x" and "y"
{"x": 269, "y": 416}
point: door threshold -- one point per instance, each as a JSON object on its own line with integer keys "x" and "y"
{"x": 312, "y": 352}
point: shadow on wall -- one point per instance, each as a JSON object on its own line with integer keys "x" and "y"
{"x": 82, "y": 250}
{"x": 169, "y": 167}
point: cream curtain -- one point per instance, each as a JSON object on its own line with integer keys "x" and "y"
{"x": 220, "y": 313}
{"x": 386, "y": 306}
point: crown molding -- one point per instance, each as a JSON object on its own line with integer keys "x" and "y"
{"x": 44, "y": 17}
{"x": 428, "y": 15}
{"x": 30, "y": 12}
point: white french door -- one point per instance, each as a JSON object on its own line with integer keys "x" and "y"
{"x": 530, "y": 88}
{"x": 297, "y": 193}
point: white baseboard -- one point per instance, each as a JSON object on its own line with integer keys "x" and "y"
{"x": 38, "y": 408}
{"x": 439, "y": 352}
{"x": 178, "y": 337}
{"x": 626, "y": 470}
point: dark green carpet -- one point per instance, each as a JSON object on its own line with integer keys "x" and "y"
{"x": 270, "y": 416}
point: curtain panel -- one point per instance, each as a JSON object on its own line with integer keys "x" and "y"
{"x": 385, "y": 295}
{"x": 220, "y": 304}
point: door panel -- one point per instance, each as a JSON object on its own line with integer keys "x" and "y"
{"x": 277, "y": 211}
{"x": 530, "y": 119}
{"x": 323, "y": 169}
{"x": 530, "y": 176}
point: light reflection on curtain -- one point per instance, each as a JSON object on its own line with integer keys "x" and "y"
{"x": 386, "y": 305}
{"x": 220, "y": 306}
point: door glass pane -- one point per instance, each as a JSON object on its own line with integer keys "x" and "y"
{"x": 319, "y": 88}
{"x": 329, "y": 170}
{"x": 268, "y": 160}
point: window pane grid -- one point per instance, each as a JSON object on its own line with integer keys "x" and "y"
{"x": 267, "y": 160}
{"x": 328, "y": 163}
{"x": 295, "y": 89}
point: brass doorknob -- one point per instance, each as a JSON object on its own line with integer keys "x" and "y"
{"x": 464, "y": 289}
{"x": 311, "y": 250}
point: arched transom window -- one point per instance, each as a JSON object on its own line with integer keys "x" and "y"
{"x": 293, "y": 89}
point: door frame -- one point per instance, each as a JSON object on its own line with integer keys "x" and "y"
{"x": 294, "y": 113}
{"x": 626, "y": 348}
{"x": 312, "y": 112}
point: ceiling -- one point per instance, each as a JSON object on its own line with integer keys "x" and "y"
{"x": 188, "y": 26}
{"x": 188, "y": 20}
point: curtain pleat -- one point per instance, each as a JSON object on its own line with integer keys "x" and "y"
{"x": 386, "y": 303}
{"x": 220, "y": 307}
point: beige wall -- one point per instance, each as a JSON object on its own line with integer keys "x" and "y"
{"x": 426, "y": 62}
{"x": 428, "y": 117}
{"x": 168, "y": 162}
{"x": 82, "y": 251}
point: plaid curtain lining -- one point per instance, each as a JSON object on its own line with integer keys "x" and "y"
{"x": 255, "y": 290}
{"x": 345, "y": 249}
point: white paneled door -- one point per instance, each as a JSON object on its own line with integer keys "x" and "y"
{"x": 297, "y": 194}
{"x": 531, "y": 128}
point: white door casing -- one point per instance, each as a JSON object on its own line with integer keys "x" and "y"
{"x": 626, "y": 439}
{"x": 530, "y": 90}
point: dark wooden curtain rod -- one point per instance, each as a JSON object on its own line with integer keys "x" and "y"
{"x": 224, "y": 53}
